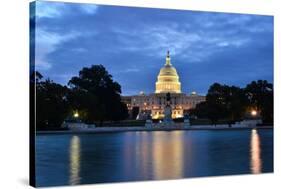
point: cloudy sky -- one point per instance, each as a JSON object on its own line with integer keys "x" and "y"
{"x": 131, "y": 43}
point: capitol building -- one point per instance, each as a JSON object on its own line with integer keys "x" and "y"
{"x": 168, "y": 81}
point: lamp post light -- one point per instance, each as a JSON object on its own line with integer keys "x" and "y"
{"x": 254, "y": 113}
{"x": 76, "y": 115}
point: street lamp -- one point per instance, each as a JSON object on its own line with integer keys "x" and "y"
{"x": 253, "y": 112}
{"x": 76, "y": 115}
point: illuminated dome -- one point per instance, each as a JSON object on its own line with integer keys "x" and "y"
{"x": 168, "y": 79}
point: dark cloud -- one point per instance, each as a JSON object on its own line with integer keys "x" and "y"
{"x": 131, "y": 43}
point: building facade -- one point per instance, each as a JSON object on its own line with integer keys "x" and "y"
{"x": 168, "y": 81}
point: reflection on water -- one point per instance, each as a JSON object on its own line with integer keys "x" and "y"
{"x": 256, "y": 162}
{"x": 144, "y": 151}
{"x": 168, "y": 155}
{"x": 156, "y": 155}
{"x": 74, "y": 156}
{"x": 161, "y": 153}
{"x": 135, "y": 156}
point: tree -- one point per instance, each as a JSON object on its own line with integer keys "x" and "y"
{"x": 51, "y": 104}
{"x": 200, "y": 111}
{"x": 260, "y": 97}
{"x": 36, "y": 76}
{"x": 222, "y": 102}
{"x": 216, "y": 102}
{"x": 232, "y": 103}
{"x": 83, "y": 101}
{"x": 99, "y": 95}
{"x": 237, "y": 103}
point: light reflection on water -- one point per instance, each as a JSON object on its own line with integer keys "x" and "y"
{"x": 168, "y": 155}
{"x": 74, "y": 156}
{"x": 156, "y": 155}
{"x": 256, "y": 161}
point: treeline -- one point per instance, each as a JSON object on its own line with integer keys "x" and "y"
{"x": 232, "y": 103}
{"x": 91, "y": 97}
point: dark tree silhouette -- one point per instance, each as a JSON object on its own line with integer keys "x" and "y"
{"x": 231, "y": 103}
{"x": 216, "y": 103}
{"x": 95, "y": 92}
{"x": 260, "y": 96}
{"x": 51, "y": 104}
{"x": 35, "y": 76}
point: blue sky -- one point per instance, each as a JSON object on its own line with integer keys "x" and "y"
{"x": 131, "y": 43}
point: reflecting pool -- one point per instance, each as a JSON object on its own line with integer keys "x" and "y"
{"x": 67, "y": 159}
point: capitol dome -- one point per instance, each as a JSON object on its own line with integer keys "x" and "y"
{"x": 168, "y": 79}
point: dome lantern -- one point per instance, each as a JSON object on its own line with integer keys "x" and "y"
{"x": 168, "y": 59}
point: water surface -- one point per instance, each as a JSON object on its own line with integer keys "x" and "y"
{"x": 68, "y": 159}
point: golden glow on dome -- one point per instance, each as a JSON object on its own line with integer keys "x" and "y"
{"x": 168, "y": 79}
